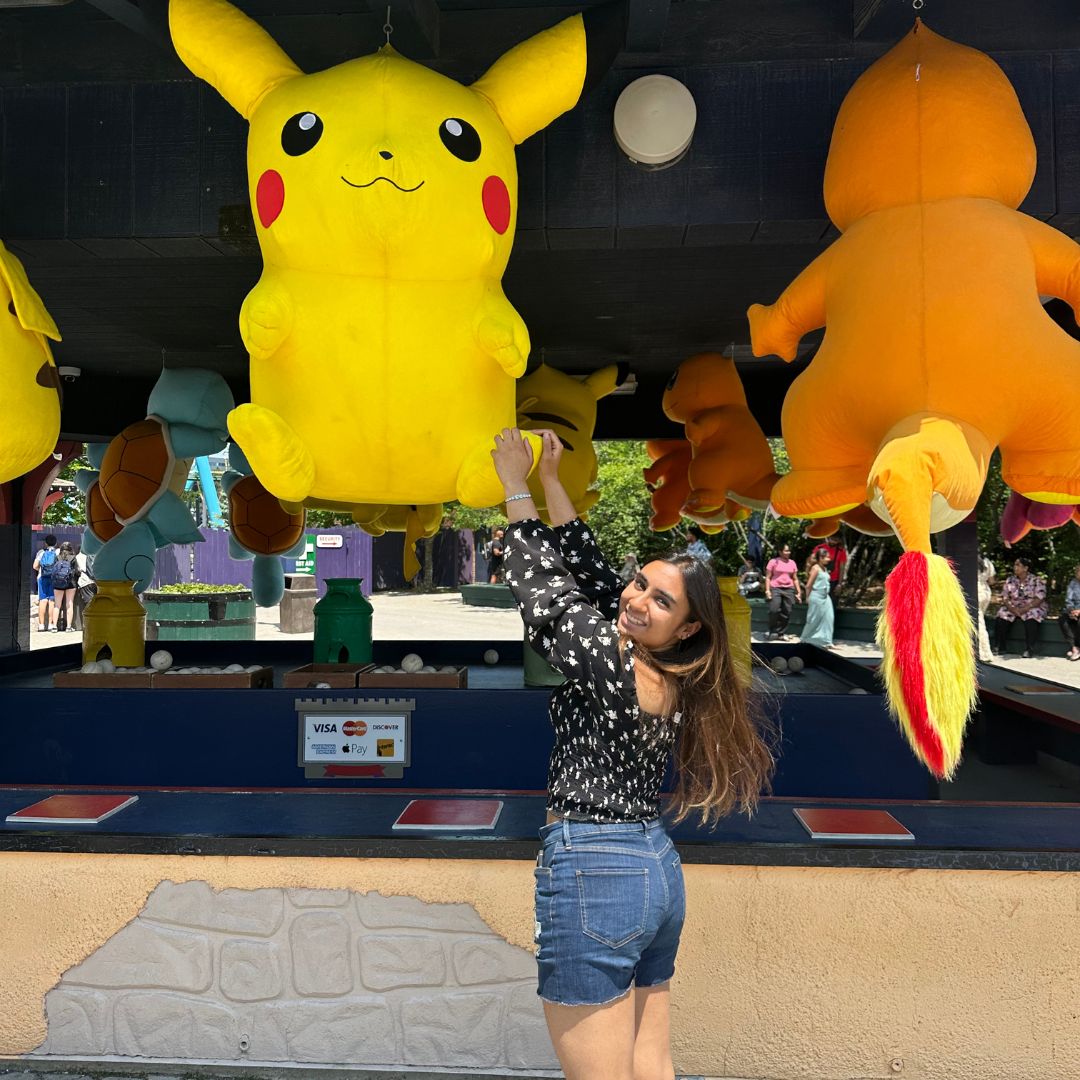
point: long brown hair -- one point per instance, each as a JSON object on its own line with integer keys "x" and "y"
{"x": 723, "y": 754}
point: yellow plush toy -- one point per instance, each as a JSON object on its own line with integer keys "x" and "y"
{"x": 937, "y": 348}
{"x": 31, "y": 422}
{"x": 383, "y": 351}
{"x": 547, "y": 398}
{"x": 732, "y": 465}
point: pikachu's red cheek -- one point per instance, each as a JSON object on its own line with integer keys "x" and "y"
{"x": 497, "y": 204}
{"x": 269, "y": 197}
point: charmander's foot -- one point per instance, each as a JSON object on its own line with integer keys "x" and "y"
{"x": 820, "y": 493}
{"x": 279, "y": 459}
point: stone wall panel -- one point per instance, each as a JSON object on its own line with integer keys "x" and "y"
{"x": 80, "y": 1021}
{"x": 389, "y": 961}
{"x": 145, "y": 955}
{"x": 318, "y": 897}
{"x": 321, "y": 948}
{"x": 490, "y": 960}
{"x": 171, "y": 1026}
{"x": 528, "y": 1045}
{"x": 385, "y": 912}
{"x": 453, "y": 1029}
{"x": 250, "y": 970}
{"x": 235, "y": 911}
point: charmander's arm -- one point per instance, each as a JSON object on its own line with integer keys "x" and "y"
{"x": 800, "y": 308}
{"x": 1057, "y": 262}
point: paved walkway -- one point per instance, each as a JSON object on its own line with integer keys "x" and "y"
{"x": 441, "y": 616}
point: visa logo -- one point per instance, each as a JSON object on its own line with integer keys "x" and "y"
{"x": 325, "y": 729}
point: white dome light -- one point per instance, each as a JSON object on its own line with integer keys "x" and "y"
{"x": 654, "y": 121}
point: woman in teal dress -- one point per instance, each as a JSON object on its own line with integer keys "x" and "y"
{"x": 818, "y": 628}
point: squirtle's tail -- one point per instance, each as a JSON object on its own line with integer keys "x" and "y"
{"x": 927, "y": 476}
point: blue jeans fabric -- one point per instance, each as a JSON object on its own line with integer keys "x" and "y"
{"x": 610, "y": 905}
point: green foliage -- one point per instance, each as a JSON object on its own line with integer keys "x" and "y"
{"x": 327, "y": 519}
{"x": 620, "y": 518}
{"x": 1054, "y": 552}
{"x": 469, "y": 517}
{"x": 70, "y": 508}
{"x": 189, "y": 588}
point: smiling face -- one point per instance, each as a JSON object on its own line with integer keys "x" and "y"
{"x": 654, "y": 610}
{"x": 381, "y": 167}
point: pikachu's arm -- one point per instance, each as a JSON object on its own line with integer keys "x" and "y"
{"x": 266, "y": 319}
{"x": 501, "y": 333}
{"x": 1057, "y": 262}
{"x": 800, "y": 308}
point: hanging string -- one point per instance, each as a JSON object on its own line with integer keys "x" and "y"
{"x": 388, "y": 27}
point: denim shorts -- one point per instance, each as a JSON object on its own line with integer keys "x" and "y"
{"x": 610, "y": 904}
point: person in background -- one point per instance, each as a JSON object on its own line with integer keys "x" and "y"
{"x": 782, "y": 589}
{"x": 648, "y": 676}
{"x": 838, "y": 557}
{"x": 85, "y": 586}
{"x": 1023, "y": 599}
{"x": 495, "y": 556}
{"x": 818, "y": 629}
{"x": 629, "y": 569}
{"x": 1069, "y": 620}
{"x": 749, "y": 577}
{"x": 697, "y": 547}
{"x": 986, "y": 582}
{"x": 64, "y": 576}
{"x": 43, "y": 564}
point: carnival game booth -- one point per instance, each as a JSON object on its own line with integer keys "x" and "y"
{"x": 302, "y": 859}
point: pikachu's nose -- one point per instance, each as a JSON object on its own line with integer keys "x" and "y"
{"x": 385, "y": 155}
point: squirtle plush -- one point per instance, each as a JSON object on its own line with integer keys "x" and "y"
{"x": 548, "y": 398}
{"x": 930, "y": 299}
{"x": 31, "y": 384}
{"x": 144, "y": 468}
{"x": 385, "y": 197}
{"x": 731, "y": 466}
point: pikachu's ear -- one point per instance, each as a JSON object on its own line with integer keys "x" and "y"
{"x": 545, "y": 76}
{"x": 231, "y": 52}
{"x": 29, "y": 309}
{"x": 603, "y": 382}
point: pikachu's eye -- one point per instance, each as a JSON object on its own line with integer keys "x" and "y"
{"x": 300, "y": 133}
{"x": 460, "y": 138}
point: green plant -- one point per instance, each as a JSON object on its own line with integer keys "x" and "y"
{"x": 191, "y": 587}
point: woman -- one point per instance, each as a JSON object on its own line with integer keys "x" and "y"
{"x": 1023, "y": 598}
{"x": 985, "y": 587}
{"x": 1069, "y": 620}
{"x": 64, "y": 578}
{"x": 782, "y": 589}
{"x": 818, "y": 629}
{"x": 609, "y": 888}
{"x": 85, "y": 586}
{"x": 43, "y": 565}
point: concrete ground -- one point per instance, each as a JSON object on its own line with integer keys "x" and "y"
{"x": 441, "y": 616}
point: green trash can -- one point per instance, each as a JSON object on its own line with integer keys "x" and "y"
{"x": 343, "y": 624}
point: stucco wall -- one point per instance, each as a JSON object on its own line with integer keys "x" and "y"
{"x": 793, "y": 974}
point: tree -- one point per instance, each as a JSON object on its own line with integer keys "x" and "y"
{"x": 70, "y": 508}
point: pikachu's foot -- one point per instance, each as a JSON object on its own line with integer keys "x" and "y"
{"x": 819, "y": 493}
{"x": 279, "y": 459}
{"x": 1043, "y": 477}
{"x": 477, "y": 482}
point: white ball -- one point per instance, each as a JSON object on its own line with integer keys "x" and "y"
{"x": 491, "y": 657}
{"x": 795, "y": 664}
{"x": 412, "y": 663}
{"x": 427, "y": 668}
{"x": 92, "y": 667}
{"x": 322, "y": 686}
{"x": 778, "y": 664}
{"x": 858, "y": 690}
{"x": 232, "y": 669}
{"x": 107, "y": 666}
{"x": 253, "y": 667}
{"x": 448, "y": 669}
{"x": 161, "y": 660}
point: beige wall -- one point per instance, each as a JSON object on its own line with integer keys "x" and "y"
{"x": 794, "y": 974}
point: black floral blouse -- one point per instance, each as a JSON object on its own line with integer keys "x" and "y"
{"x": 610, "y": 756}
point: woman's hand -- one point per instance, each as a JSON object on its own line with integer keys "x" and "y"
{"x": 550, "y": 458}
{"x": 513, "y": 461}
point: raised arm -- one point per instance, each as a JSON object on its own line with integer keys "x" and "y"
{"x": 1057, "y": 262}
{"x": 800, "y": 308}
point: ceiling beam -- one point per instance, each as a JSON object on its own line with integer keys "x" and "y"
{"x": 148, "y": 18}
{"x": 646, "y": 21}
{"x": 415, "y": 26}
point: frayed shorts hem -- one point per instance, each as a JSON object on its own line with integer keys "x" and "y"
{"x": 586, "y": 1004}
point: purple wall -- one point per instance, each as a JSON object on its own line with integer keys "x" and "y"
{"x": 352, "y": 559}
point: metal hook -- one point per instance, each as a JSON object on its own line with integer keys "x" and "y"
{"x": 918, "y": 4}
{"x": 388, "y": 27}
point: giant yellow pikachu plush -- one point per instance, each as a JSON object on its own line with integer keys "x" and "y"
{"x": 548, "y": 398}
{"x": 383, "y": 351}
{"x": 31, "y": 386}
{"x": 937, "y": 349}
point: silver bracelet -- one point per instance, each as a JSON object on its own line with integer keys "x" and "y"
{"x": 516, "y": 498}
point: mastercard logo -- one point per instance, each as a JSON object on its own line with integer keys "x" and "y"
{"x": 354, "y": 727}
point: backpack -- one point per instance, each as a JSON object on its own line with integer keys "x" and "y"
{"x": 62, "y": 574}
{"x": 47, "y": 562}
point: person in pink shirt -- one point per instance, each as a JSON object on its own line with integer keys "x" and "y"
{"x": 782, "y": 589}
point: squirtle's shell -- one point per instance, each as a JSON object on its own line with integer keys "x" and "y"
{"x": 259, "y": 522}
{"x": 135, "y": 469}
{"x": 99, "y": 515}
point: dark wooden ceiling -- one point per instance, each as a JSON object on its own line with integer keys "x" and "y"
{"x": 123, "y": 185}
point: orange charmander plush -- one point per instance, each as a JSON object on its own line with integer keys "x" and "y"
{"x": 930, "y": 300}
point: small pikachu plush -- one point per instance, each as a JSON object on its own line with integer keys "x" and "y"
{"x": 31, "y": 383}
{"x": 383, "y": 351}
